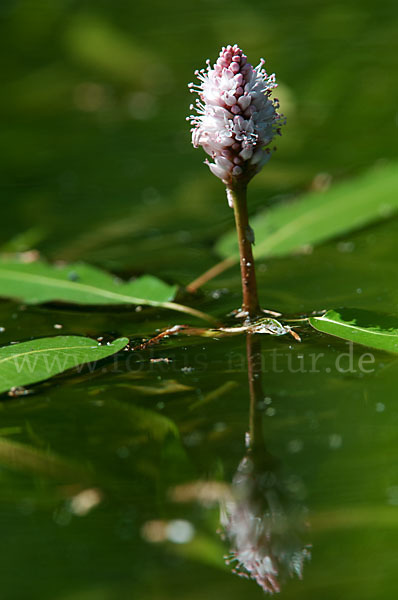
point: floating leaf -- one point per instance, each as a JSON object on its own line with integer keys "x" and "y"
{"x": 79, "y": 283}
{"x": 361, "y": 327}
{"x": 37, "y": 360}
{"x": 320, "y": 216}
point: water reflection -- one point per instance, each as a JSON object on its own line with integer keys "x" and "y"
{"x": 262, "y": 520}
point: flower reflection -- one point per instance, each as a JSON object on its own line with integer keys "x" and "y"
{"x": 262, "y": 518}
{"x": 263, "y": 525}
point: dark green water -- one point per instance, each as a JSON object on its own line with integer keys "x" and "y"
{"x": 97, "y": 165}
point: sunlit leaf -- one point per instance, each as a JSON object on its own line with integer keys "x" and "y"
{"x": 361, "y": 327}
{"x": 79, "y": 283}
{"x": 30, "y": 362}
{"x": 319, "y": 216}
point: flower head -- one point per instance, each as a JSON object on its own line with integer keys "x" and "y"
{"x": 235, "y": 118}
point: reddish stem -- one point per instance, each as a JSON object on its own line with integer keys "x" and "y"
{"x": 250, "y": 303}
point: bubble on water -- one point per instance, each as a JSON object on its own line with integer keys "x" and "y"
{"x": 270, "y": 411}
{"x": 359, "y": 290}
{"x": 380, "y": 407}
{"x": 385, "y": 210}
{"x": 150, "y": 195}
{"x": 219, "y": 427}
{"x": 295, "y": 446}
{"x": 26, "y": 506}
{"x": 180, "y": 531}
{"x": 193, "y": 439}
{"x": 2, "y": 329}
{"x": 216, "y": 294}
{"x": 142, "y": 105}
{"x": 392, "y": 495}
{"x": 123, "y": 452}
{"x": 296, "y": 486}
{"x": 345, "y": 246}
{"x": 62, "y": 516}
{"x": 335, "y": 441}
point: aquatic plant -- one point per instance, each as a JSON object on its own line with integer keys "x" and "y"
{"x": 235, "y": 121}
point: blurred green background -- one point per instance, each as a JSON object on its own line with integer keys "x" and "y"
{"x": 97, "y": 165}
{"x": 96, "y": 153}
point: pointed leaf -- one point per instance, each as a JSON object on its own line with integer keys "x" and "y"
{"x": 361, "y": 327}
{"x": 80, "y": 283}
{"x": 29, "y": 362}
{"x": 320, "y": 216}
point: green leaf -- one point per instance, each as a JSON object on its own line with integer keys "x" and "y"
{"x": 320, "y": 216}
{"x": 80, "y": 283}
{"x": 37, "y": 360}
{"x": 361, "y": 327}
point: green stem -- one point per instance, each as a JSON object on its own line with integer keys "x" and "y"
{"x": 237, "y": 196}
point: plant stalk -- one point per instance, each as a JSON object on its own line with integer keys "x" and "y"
{"x": 237, "y": 196}
{"x": 260, "y": 455}
{"x": 253, "y": 350}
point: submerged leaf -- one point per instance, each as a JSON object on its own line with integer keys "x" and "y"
{"x": 320, "y": 216}
{"x": 166, "y": 386}
{"x": 361, "y": 327}
{"x": 30, "y": 362}
{"x": 22, "y": 457}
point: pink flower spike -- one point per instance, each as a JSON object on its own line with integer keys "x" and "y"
{"x": 235, "y": 114}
